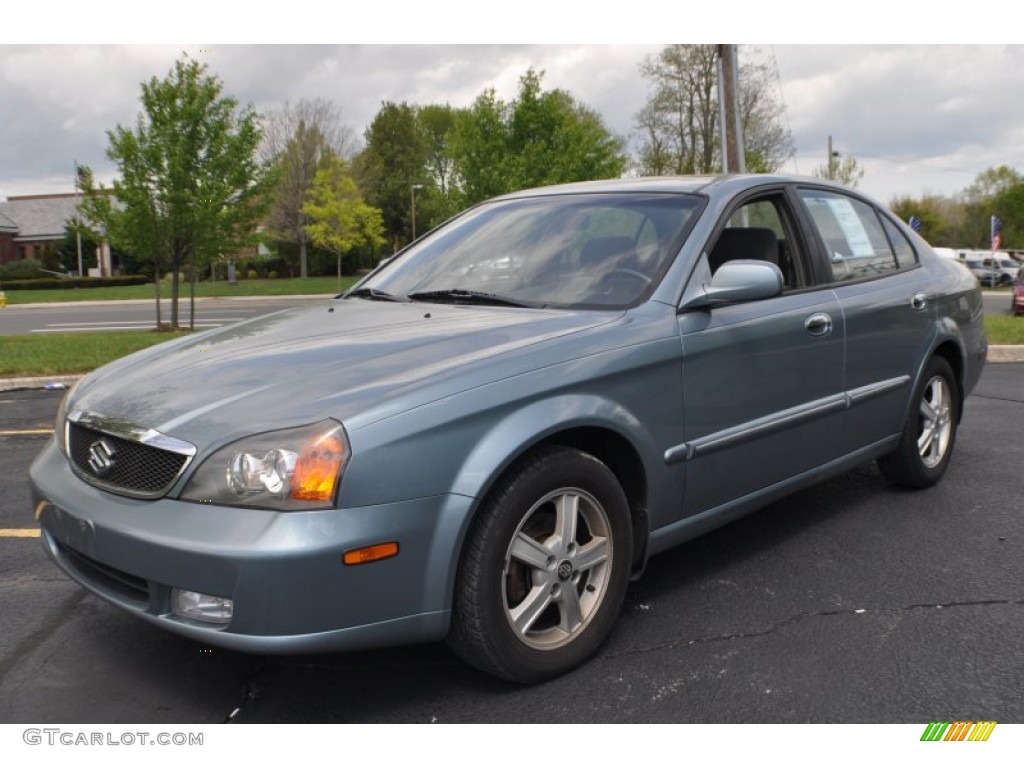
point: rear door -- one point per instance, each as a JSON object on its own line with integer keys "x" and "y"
{"x": 886, "y": 305}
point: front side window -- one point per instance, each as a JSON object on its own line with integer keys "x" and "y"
{"x": 760, "y": 230}
{"x": 855, "y": 242}
{"x": 593, "y": 250}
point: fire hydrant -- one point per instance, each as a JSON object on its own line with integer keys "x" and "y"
{"x": 3, "y": 299}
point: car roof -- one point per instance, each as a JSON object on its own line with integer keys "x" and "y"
{"x": 726, "y": 183}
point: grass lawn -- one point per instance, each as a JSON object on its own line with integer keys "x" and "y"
{"x": 281, "y": 287}
{"x": 42, "y": 354}
{"x": 1004, "y": 329}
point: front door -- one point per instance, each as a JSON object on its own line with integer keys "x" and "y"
{"x": 763, "y": 380}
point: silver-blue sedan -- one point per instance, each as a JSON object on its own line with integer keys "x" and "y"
{"x": 488, "y": 436}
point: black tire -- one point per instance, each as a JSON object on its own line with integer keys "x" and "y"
{"x": 929, "y": 433}
{"x": 545, "y": 568}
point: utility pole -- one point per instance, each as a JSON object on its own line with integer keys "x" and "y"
{"x": 732, "y": 130}
{"x": 832, "y": 155}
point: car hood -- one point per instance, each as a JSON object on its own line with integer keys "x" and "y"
{"x": 351, "y": 359}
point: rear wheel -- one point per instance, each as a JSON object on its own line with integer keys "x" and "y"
{"x": 545, "y": 569}
{"x": 929, "y": 432}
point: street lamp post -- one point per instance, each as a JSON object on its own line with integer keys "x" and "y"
{"x": 413, "y": 194}
{"x": 78, "y": 220}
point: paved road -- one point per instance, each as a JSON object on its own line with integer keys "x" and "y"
{"x": 996, "y": 303}
{"x": 851, "y": 602}
{"x": 134, "y": 315}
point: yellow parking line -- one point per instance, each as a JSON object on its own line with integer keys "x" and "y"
{"x": 19, "y": 533}
{"x": 15, "y": 432}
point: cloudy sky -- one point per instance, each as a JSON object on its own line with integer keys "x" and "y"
{"x": 921, "y": 118}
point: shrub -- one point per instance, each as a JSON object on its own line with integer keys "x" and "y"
{"x": 23, "y": 269}
{"x": 252, "y": 274}
{"x": 49, "y": 283}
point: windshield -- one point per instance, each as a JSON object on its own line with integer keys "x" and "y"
{"x": 595, "y": 250}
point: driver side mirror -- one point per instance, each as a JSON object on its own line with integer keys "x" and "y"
{"x": 739, "y": 280}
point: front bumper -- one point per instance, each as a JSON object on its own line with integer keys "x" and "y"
{"x": 283, "y": 570}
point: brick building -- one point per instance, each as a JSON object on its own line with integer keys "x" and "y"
{"x": 31, "y": 224}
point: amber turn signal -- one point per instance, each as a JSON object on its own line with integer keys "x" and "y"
{"x": 371, "y": 553}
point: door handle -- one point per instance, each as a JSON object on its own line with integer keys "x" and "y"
{"x": 818, "y": 324}
{"x": 919, "y": 301}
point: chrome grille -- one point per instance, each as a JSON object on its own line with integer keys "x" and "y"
{"x": 123, "y": 464}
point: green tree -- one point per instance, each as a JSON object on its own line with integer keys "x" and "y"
{"x": 298, "y": 140}
{"x": 339, "y": 219}
{"x": 190, "y": 186}
{"x": 941, "y": 218}
{"x": 540, "y": 138}
{"x": 66, "y": 251}
{"x": 995, "y": 191}
{"x": 394, "y": 159}
{"x": 439, "y": 201}
{"x": 1009, "y": 207}
{"x": 678, "y": 131}
{"x": 991, "y": 182}
{"x": 481, "y": 149}
{"x": 846, "y": 171}
{"x": 556, "y": 139}
{"x": 767, "y": 141}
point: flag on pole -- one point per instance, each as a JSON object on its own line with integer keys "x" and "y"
{"x": 915, "y": 223}
{"x": 997, "y": 233}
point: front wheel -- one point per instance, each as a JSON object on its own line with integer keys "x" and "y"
{"x": 929, "y": 432}
{"x": 545, "y": 568}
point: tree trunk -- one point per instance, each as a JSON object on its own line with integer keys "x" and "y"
{"x": 175, "y": 266}
{"x": 303, "y": 267}
{"x": 192, "y": 291}
{"x": 156, "y": 283}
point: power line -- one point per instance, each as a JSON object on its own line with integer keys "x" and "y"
{"x": 785, "y": 107}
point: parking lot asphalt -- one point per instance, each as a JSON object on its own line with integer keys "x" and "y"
{"x": 853, "y": 601}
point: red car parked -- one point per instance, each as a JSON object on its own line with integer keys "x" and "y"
{"x": 1017, "y": 303}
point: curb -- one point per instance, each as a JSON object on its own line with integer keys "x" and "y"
{"x": 1000, "y": 353}
{"x": 57, "y": 381}
{"x": 1006, "y": 353}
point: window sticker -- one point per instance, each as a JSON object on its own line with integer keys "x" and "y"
{"x": 852, "y": 226}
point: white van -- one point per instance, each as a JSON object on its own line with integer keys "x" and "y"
{"x": 991, "y": 267}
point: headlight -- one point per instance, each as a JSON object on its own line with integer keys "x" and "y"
{"x": 291, "y": 469}
{"x": 62, "y": 412}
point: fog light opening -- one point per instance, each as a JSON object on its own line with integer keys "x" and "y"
{"x": 371, "y": 553}
{"x": 196, "y": 606}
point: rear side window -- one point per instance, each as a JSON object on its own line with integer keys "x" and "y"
{"x": 855, "y": 241}
{"x": 906, "y": 256}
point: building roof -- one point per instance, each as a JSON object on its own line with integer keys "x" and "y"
{"x": 6, "y": 225}
{"x": 38, "y": 217}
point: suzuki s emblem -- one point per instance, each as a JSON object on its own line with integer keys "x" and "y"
{"x": 101, "y": 458}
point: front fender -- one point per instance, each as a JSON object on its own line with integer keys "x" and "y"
{"x": 536, "y": 422}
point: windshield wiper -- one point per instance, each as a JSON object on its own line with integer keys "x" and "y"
{"x": 461, "y": 295}
{"x": 373, "y": 294}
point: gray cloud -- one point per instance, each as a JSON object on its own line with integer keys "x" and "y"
{"x": 920, "y": 118}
